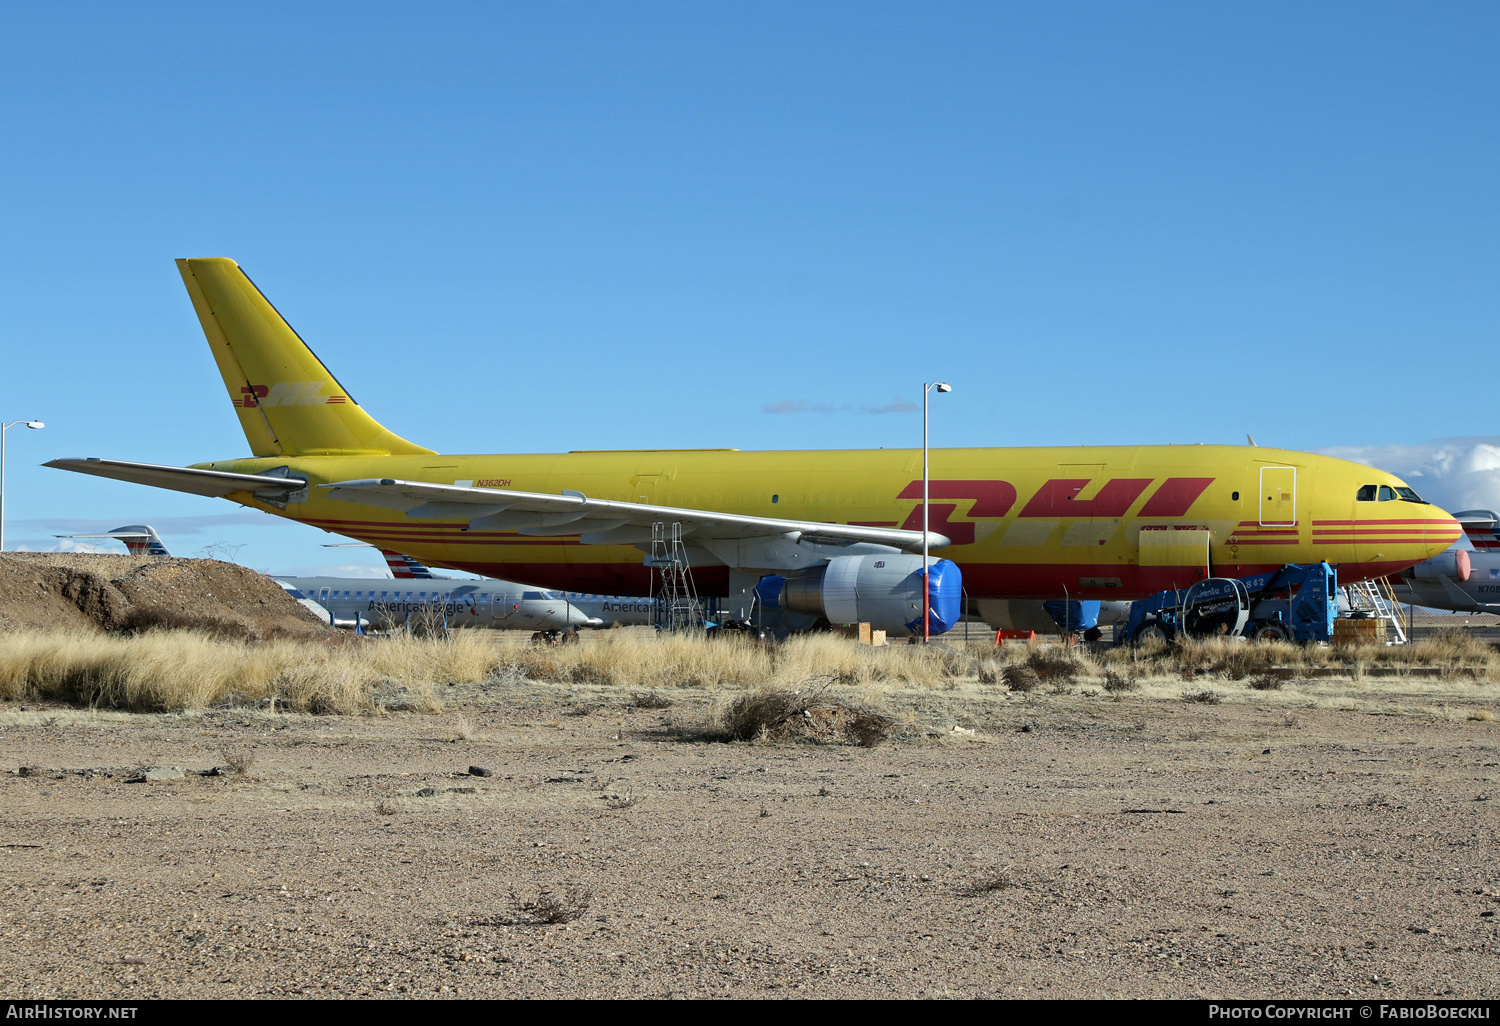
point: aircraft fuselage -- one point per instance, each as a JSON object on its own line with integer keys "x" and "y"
{"x": 1025, "y": 523}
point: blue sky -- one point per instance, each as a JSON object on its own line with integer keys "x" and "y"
{"x": 537, "y": 227}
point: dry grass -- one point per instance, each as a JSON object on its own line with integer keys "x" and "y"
{"x": 644, "y": 662}
{"x": 164, "y": 670}
{"x": 170, "y": 671}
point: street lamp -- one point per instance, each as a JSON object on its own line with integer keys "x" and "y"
{"x": 926, "y": 591}
{"x": 34, "y": 425}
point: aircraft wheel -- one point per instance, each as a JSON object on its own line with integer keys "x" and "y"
{"x": 1153, "y": 633}
{"x": 1092, "y": 634}
{"x": 1272, "y": 632}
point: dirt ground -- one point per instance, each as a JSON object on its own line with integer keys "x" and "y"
{"x": 1071, "y": 846}
{"x": 87, "y": 591}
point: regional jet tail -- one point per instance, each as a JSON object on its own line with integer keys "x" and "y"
{"x": 838, "y": 535}
{"x": 356, "y": 602}
{"x": 139, "y": 539}
{"x": 404, "y": 567}
{"x": 1480, "y": 527}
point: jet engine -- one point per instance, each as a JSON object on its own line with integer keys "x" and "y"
{"x": 885, "y": 591}
{"x": 1453, "y": 564}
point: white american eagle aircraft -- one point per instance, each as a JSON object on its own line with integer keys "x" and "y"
{"x": 413, "y": 591}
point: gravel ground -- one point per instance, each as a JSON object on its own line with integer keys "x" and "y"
{"x": 1070, "y": 846}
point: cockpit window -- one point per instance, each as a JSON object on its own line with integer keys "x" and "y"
{"x": 1411, "y": 496}
{"x": 1367, "y": 493}
{"x": 1387, "y": 493}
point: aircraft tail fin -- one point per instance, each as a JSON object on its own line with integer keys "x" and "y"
{"x": 1480, "y": 525}
{"x": 404, "y": 567}
{"x": 139, "y": 539}
{"x": 289, "y": 404}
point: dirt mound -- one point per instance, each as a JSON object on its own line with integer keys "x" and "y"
{"x": 84, "y": 591}
{"x": 791, "y": 716}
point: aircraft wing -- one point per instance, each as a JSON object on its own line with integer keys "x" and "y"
{"x": 213, "y": 483}
{"x": 599, "y": 521}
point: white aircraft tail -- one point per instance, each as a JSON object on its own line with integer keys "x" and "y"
{"x": 139, "y": 539}
{"x": 404, "y": 567}
{"x": 1480, "y": 525}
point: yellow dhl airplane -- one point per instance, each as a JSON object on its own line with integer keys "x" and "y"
{"x": 831, "y": 533}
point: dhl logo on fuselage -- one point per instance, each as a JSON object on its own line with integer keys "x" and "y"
{"x": 1057, "y": 498}
{"x": 288, "y": 393}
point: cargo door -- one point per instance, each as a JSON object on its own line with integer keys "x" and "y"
{"x": 1173, "y": 556}
{"x": 1278, "y": 496}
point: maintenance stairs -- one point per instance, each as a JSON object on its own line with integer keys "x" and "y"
{"x": 672, "y": 589}
{"x": 1376, "y": 599}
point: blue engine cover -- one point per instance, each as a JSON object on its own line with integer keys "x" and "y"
{"x": 885, "y": 590}
{"x": 1073, "y": 615}
{"x": 945, "y": 598}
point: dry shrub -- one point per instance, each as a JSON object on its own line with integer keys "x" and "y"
{"x": 239, "y": 760}
{"x": 781, "y": 715}
{"x": 1116, "y": 683}
{"x": 1054, "y": 664}
{"x": 1273, "y": 679}
{"x": 1203, "y": 696}
{"x": 1022, "y": 679}
{"x": 551, "y": 908}
{"x": 990, "y": 673}
{"x": 988, "y": 885}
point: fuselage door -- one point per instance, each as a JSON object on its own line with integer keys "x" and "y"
{"x": 1278, "y": 496}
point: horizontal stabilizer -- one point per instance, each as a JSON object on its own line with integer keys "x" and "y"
{"x": 420, "y": 499}
{"x": 139, "y": 539}
{"x": 213, "y": 483}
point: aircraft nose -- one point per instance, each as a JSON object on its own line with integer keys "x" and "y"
{"x": 1442, "y": 531}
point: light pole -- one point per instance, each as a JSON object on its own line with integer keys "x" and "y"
{"x": 34, "y": 425}
{"x": 926, "y": 589}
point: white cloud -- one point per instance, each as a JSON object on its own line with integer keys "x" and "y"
{"x": 1454, "y": 473}
{"x": 797, "y": 406}
{"x": 896, "y": 406}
